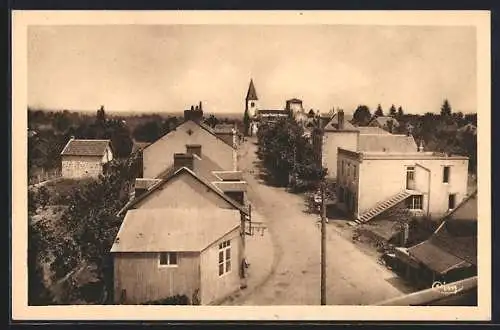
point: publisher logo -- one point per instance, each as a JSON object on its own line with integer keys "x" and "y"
{"x": 446, "y": 288}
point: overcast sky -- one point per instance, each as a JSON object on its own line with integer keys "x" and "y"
{"x": 168, "y": 68}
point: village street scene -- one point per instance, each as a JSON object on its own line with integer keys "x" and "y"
{"x": 238, "y": 180}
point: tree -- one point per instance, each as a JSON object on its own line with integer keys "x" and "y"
{"x": 392, "y": 111}
{"x": 212, "y": 121}
{"x": 446, "y": 109}
{"x": 379, "y": 112}
{"x": 92, "y": 223}
{"x": 362, "y": 115}
{"x": 400, "y": 113}
{"x": 246, "y": 122}
{"x": 147, "y": 132}
{"x": 38, "y": 238}
{"x": 287, "y": 155}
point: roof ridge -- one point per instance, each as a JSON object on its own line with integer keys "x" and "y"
{"x": 169, "y": 177}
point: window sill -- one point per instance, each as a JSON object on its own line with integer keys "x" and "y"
{"x": 226, "y": 273}
{"x": 168, "y": 266}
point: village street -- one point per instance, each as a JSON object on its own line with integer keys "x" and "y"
{"x": 353, "y": 278}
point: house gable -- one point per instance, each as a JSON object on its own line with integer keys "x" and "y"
{"x": 184, "y": 191}
{"x": 156, "y": 156}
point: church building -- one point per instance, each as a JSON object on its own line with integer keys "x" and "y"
{"x": 258, "y": 115}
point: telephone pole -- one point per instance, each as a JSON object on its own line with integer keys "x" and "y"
{"x": 323, "y": 245}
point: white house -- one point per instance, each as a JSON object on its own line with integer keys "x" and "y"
{"x": 371, "y": 182}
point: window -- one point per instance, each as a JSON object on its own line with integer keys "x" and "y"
{"x": 342, "y": 168}
{"x": 446, "y": 174}
{"x": 415, "y": 202}
{"x": 451, "y": 201}
{"x": 354, "y": 171}
{"x": 224, "y": 257}
{"x": 348, "y": 170}
{"x": 168, "y": 259}
{"x": 252, "y": 104}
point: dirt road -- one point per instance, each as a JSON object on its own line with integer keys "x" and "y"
{"x": 353, "y": 278}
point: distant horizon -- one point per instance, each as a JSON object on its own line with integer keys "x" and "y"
{"x": 181, "y": 112}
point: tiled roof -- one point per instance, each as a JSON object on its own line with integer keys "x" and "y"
{"x": 386, "y": 143}
{"x": 383, "y": 120}
{"x": 251, "y": 94}
{"x": 454, "y": 244}
{"x": 466, "y": 210}
{"x": 172, "y": 229}
{"x": 204, "y": 166}
{"x": 224, "y": 128}
{"x": 77, "y": 147}
{"x": 333, "y": 124}
{"x": 213, "y": 132}
{"x": 445, "y": 251}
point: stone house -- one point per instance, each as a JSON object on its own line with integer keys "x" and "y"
{"x": 162, "y": 252}
{"x": 85, "y": 158}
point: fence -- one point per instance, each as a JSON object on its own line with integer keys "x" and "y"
{"x": 43, "y": 175}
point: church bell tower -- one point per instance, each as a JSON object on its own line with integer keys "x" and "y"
{"x": 251, "y": 100}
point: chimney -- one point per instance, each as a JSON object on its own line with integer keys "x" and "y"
{"x": 193, "y": 149}
{"x": 421, "y": 146}
{"x": 340, "y": 119}
{"x": 183, "y": 160}
{"x": 201, "y": 109}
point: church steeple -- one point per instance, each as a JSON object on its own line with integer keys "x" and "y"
{"x": 251, "y": 94}
{"x": 251, "y": 101}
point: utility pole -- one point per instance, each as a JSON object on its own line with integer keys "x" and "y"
{"x": 323, "y": 245}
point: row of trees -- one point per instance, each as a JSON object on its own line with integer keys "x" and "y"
{"x": 287, "y": 154}
{"x": 362, "y": 115}
{"x": 438, "y": 132}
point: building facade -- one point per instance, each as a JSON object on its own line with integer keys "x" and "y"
{"x": 188, "y": 133}
{"x": 85, "y": 158}
{"x": 160, "y": 253}
{"x": 340, "y": 133}
{"x": 428, "y": 183}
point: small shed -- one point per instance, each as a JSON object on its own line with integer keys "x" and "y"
{"x": 160, "y": 253}
{"x": 85, "y": 158}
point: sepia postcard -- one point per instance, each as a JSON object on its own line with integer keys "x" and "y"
{"x": 251, "y": 165}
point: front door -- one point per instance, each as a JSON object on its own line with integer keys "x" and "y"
{"x": 410, "y": 177}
